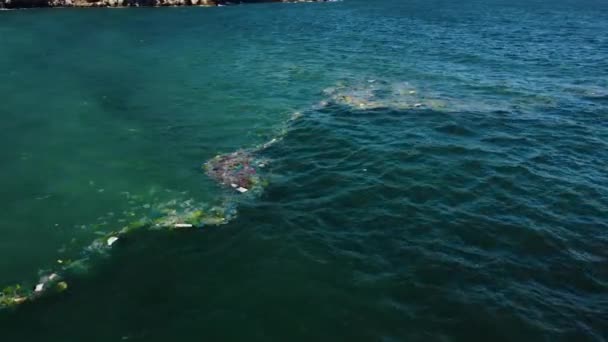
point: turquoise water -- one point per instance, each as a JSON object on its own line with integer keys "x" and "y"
{"x": 446, "y": 179}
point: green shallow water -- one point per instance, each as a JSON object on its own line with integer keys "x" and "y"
{"x": 446, "y": 179}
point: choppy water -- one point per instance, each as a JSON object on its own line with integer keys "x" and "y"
{"x": 447, "y": 178}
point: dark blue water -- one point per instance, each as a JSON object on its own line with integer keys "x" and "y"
{"x": 445, "y": 177}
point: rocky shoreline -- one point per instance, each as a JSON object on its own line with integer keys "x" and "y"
{"x": 15, "y": 4}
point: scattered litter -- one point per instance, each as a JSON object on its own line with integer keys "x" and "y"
{"x": 235, "y": 169}
{"x": 62, "y": 286}
{"x": 268, "y": 144}
{"x": 111, "y": 240}
{"x": 183, "y": 225}
{"x": 11, "y": 296}
{"x": 15, "y": 295}
{"x": 378, "y": 94}
{"x": 19, "y": 300}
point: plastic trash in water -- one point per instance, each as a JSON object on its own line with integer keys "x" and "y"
{"x": 15, "y": 295}
{"x": 367, "y": 95}
{"x": 111, "y": 240}
{"x": 12, "y": 296}
{"x": 62, "y": 286}
{"x": 237, "y": 170}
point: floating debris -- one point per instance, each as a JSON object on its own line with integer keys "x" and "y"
{"x": 237, "y": 170}
{"x": 378, "y": 95}
{"x": 62, "y": 286}
{"x": 111, "y": 240}
{"x": 271, "y": 142}
{"x": 12, "y": 296}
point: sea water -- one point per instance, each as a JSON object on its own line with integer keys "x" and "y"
{"x": 440, "y": 172}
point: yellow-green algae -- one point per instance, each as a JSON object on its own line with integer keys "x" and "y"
{"x": 169, "y": 217}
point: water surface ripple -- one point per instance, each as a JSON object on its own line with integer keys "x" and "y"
{"x": 446, "y": 179}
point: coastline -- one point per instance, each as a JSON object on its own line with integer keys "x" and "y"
{"x": 20, "y": 4}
